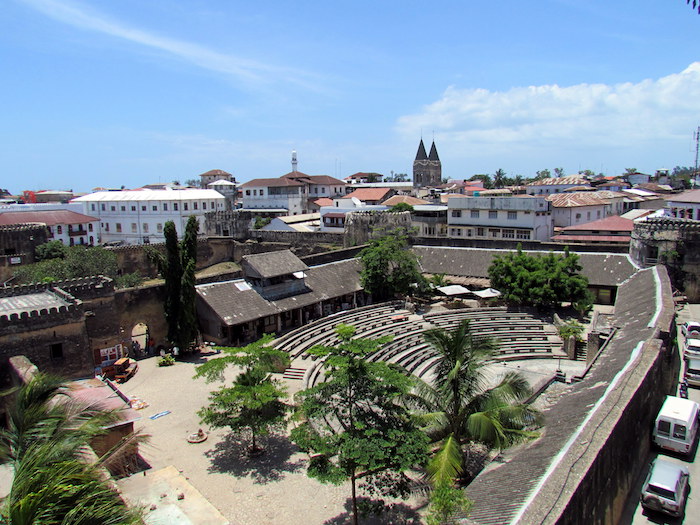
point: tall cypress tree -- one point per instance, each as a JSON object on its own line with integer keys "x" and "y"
{"x": 171, "y": 270}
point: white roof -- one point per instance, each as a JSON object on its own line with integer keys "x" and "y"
{"x": 453, "y": 289}
{"x": 169, "y": 194}
{"x": 641, "y": 193}
{"x": 221, "y": 182}
{"x": 488, "y": 292}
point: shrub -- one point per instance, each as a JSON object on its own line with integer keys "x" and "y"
{"x": 166, "y": 360}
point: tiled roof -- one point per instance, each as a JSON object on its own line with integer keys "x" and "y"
{"x": 235, "y": 305}
{"x": 368, "y": 194}
{"x": 323, "y": 201}
{"x": 215, "y": 173}
{"x": 592, "y": 238}
{"x": 573, "y": 200}
{"x": 575, "y": 180}
{"x": 271, "y": 183}
{"x": 608, "y": 224}
{"x": 325, "y": 180}
{"x": 50, "y": 218}
{"x": 396, "y": 199}
{"x": 601, "y": 269}
{"x": 272, "y": 264}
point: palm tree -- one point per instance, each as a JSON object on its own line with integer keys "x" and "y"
{"x": 459, "y": 406}
{"x": 47, "y": 443}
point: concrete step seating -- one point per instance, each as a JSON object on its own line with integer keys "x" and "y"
{"x": 294, "y": 373}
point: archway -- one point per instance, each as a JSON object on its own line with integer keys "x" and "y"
{"x": 141, "y": 341}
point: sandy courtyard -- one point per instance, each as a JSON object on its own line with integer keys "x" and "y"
{"x": 272, "y": 489}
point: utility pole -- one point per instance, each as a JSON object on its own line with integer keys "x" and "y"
{"x": 697, "y": 149}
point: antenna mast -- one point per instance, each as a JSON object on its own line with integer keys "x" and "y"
{"x": 697, "y": 149}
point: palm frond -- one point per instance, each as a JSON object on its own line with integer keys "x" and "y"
{"x": 446, "y": 464}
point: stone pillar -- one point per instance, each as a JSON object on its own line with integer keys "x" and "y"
{"x": 593, "y": 346}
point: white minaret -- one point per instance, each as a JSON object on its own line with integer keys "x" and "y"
{"x": 294, "y": 160}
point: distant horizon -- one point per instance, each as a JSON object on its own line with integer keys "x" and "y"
{"x": 134, "y": 93}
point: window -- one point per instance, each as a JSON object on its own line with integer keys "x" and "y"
{"x": 107, "y": 227}
{"x": 134, "y": 227}
{"x": 323, "y": 190}
{"x": 509, "y": 234}
{"x": 522, "y": 234}
{"x": 155, "y": 208}
{"x": 123, "y": 208}
{"x": 165, "y": 206}
{"x": 143, "y": 208}
{"x": 92, "y": 206}
{"x": 184, "y": 206}
{"x": 204, "y": 205}
{"x": 479, "y": 232}
{"x": 512, "y": 215}
{"x": 262, "y": 192}
{"x": 588, "y": 215}
{"x": 598, "y": 212}
{"x": 90, "y": 227}
{"x": 133, "y": 208}
{"x": 247, "y": 193}
{"x": 174, "y": 206}
{"x": 494, "y": 232}
{"x": 112, "y": 208}
{"x": 195, "y": 205}
{"x": 664, "y": 428}
{"x": 56, "y": 351}
{"x": 453, "y": 232}
{"x": 578, "y": 215}
{"x": 475, "y": 214}
{"x": 255, "y": 193}
{"x": 102, "y": 207}
{"x": 119, "y": 227}
{"x": 315, "y": 189}
{"x": 456, "y": 213}
{"x": 679, "y": 431}
{"x": 145, "y": 227}
{"x": 159, "y": 227}
{"x": 59, "y": 229}
{"x": 213, "y": 205}
{"x": 493, "y": 214}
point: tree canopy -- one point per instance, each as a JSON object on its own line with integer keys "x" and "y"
{"x": 389, "y": 267}
{"x": 352, "y": 424}
{"x": 542, "y": 281}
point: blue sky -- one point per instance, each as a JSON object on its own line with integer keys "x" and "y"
{"x": 105, "y": 93}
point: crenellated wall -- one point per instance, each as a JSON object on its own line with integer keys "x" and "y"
{"x": 361, "y": 226}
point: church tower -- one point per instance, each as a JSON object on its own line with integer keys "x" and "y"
{"x": 427, "y": 169}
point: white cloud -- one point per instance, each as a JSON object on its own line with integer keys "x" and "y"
{"x": 547, "y": 117}
{"x": 242, "y": 69}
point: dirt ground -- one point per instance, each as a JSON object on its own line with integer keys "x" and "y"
{"x": 272, "y": 489}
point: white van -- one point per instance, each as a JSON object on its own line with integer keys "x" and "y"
{"x": 692, "y": 348}
{"x": 692, "y": 371}
{"x": 676, "y": 425}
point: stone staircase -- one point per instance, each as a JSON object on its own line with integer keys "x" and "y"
{"x": 294, "y": 373}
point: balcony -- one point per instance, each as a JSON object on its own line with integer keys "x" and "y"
{"x": 77, "y": 233}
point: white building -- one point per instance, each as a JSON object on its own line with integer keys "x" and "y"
{"x": 333, "y": 217}
{"x": 553, "y": 185}
{"x": 685, "y": 205}
{"x": 571, "y": 209}
{"x": 511, "y": 218}
{"x": 138, "y": 216}
{"x": 294, "y": 192}
{"x": 67, "y": 226}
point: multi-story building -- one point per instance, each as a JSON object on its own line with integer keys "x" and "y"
{"x": 138, "y": 216}
{"x": 571, "y": 209}
{"x": 511, "y": 218}
{"x": 213, "y": 176}
{"x": 294, "y": 192}
{"x": 684, "y": 205}
{"x": 66, "y": 226}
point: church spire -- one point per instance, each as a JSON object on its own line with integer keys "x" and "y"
{"x": 433, "y": 153}
{"x": 421, "y": 155}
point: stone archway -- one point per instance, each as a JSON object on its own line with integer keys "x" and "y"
{"x": 140, "y": 338}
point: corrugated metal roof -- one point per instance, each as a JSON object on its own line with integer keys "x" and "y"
{"x": 50, "y": 218}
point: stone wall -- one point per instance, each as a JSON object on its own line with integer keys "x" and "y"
{"x": 361, "y": 226}
{"x": 17, "y": 244}
{"x": 142, "y": 305}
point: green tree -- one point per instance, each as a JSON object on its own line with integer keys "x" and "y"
{"x": 389, "y": 267}
{"x": 254, "y": 403}
{"x": 541, "y": 281}
{"x": 543, "y": 174}
{"x": 458, "y": 406}
{"x": 695, "y": 4}
{"x": 46, "y": 441}
{"x": 486, "y": 179}
{"x": 353, "y": 425}
{"x": 401, "y": 206}
{"x": 559, "y": 172}
{"x": 51, "y": 250}
{"x": 177, "y": 267}
{"x": 499, "y": 178}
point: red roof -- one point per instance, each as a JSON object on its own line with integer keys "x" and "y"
{"x": 614, "y": 223}
{"x": 323, "y": 201}
{"x": 368, "y": 194}
{"x": 592, "y": 238}
{"x": 256, "y": 183}
{"x": 334, "y": 215}
{"x": 396, "y": 199}
{"x": 50, "y": 218}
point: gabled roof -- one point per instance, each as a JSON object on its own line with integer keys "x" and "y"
{"x": 271, "y": 183}
{"x": 368, "y": 194}
{"x": 272, "y": 264}
{"x": 396, "y": 199}
{"x": 323, "y": 201}
{"x": 50, "y": 218}
{"x": 325, "y": 180}
{"x": 215, "y": 173}
{"x": 574, "y": 180}
{"x": 691, "y": 197}
{"x": 608, "y": 224}
{"x": 421, "y": 155}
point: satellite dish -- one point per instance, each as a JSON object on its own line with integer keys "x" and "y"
{"x": 356, "y": 202}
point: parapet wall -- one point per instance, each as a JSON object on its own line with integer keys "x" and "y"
{"x": 81, "y": 288}
{"x": 361, "y": 226}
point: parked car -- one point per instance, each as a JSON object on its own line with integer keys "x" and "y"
{"x": 691, "y": 329}
{"x": 666, "y": 487}
{"x": 692, "y": 348}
